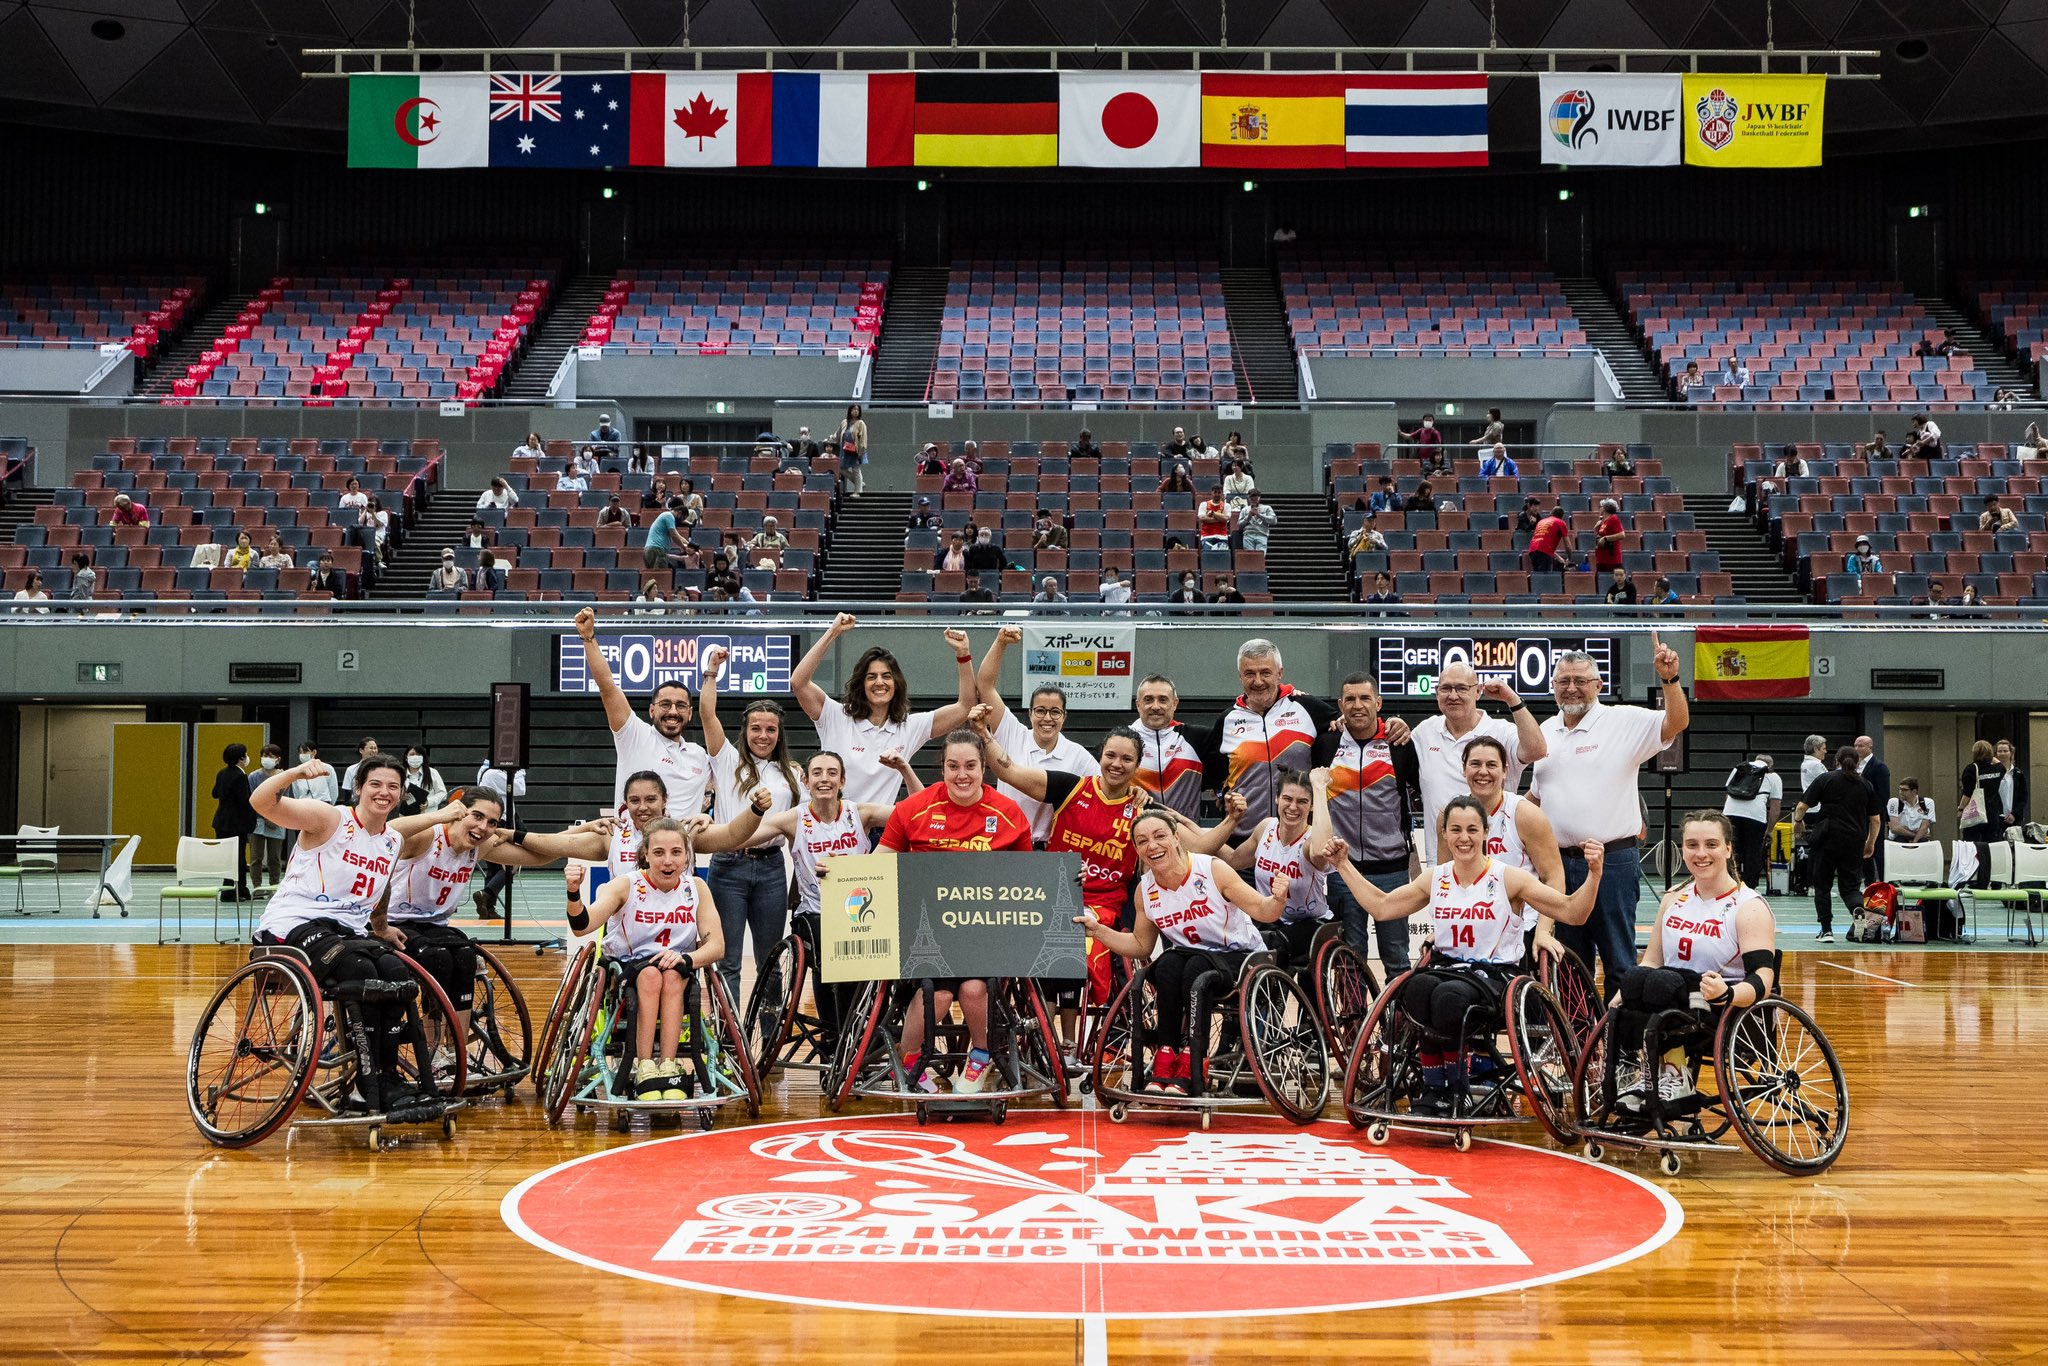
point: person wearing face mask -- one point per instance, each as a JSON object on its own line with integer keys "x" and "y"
{"x": 424, "y": 790}
{"x": 318, "y": 786}
{"x": 266, "y": 842}
{"x": 1189, "y": 593}
{"x": 984, "y": 556}
{"x": 1115, "y": 592}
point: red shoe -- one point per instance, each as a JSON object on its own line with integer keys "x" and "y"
{"x": 1166, "y": 1063}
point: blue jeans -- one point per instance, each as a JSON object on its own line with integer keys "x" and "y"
{"x": 1612, "y": 930}
{"x": 750, "y": 893}
{"x": 1393, "y": 934}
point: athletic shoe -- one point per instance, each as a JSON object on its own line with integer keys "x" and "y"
{"x": 1433, "y": 1103}
{"x": 646, "y": 1078}
{"x": 926, "y": 1081}
{"x": 973, "y": 1076}
{"x": 444, "y": 1061}
{"x": 1825, "y": 937}
{"x": 1165, "y": 1068}
{"x": 1673, "y": 1084}
{"x": 484, "y": 909}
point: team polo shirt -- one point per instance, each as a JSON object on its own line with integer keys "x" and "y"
{"x": 859, "y": 744}
{"x": 1441, "y": 757}
{"x": 1064, "y": 757}
{"x": 931, "y": 822}
{"x": 1169, "y": 767}
{"x": 1587, "y": 781}
{"x": 1247, "y": 747}
{"x": 684, "y": 767}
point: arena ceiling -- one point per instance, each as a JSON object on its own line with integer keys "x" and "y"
{"x": 1953, "y": 71}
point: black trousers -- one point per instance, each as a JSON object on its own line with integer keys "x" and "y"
{"x": 1842, "y": 865}
{"x": 1749, "y": 849}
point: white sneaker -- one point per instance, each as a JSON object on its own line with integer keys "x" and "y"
{"x": 444, "y": 1061}
{"x": 1673, "y": 1084}
{"x": 1825, "y": 937}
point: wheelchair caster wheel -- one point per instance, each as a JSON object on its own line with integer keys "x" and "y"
{"x": 1087, "y": 1086}
{"x": 1119, "y": 1112}
{"x": 376, "y": 1137}
{"x": 1205, "y": 1121}
{"x": 1594, "y": 1152}
{"x": 1667, "y": 1162}
{"x": 999, "y": 1111}
{"x": 1376, "y": 1133}
{"x": 924, "y": 1116}
{"x": 1462, "y": 1140}
{"x": 705, "y": 1119}
{"x": 447, "y": 1127}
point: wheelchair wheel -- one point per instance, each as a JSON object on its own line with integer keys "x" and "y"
{"x": 773, "y": 1003}
{"x": 1594, "y": 1090}
{"x": 577, "y": 1018}
{"x": 1038, "y": 1047}
{"x": 415, "y": 1056}
{"x": 1119, "y": 1043}
{"x": 254, "y": 1052}
{"x": 1369, "y": 1077}
{"x": 856, "y": 1037}
{"x": 1345, "y": 988}
{"x": 1565, "y": 976}
{"x": 577, "y": 966}
{"x": 732, "y": 1042}
{"x": 1782, "y": 1087}
{"x": 1545, "y": 1048}
{"x": 1283, "y": 1042}
{"x": 500, "y": 1030}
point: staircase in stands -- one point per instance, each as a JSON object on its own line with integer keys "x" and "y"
{"x": 1304, "y": 562}
{"x": 170, "y": 366}
{"x": 1759, "y": 575}
{"x": 1261, "y": 348}
{"x": 1607, "y": 328}
{"x": 560, "y": 328}
{"x": 2001, "y": 371}
{"x": 22, "y": 502}
{"x": 866, "y": 556}
{"x": 910, "y": 336}
{"x": 442, "y": 521}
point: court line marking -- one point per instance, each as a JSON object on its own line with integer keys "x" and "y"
{"x": 1861, "y": 973}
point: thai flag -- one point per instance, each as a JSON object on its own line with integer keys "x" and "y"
{"x": 1415, "y": 120}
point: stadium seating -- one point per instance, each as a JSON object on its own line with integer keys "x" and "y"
{"x": 1808, "y": 336}
{"x": 1089, "y": 328}
{"x": 2017, "y": 310}
{"x": 1921, "y": 520}
{"x": 1470, "y": 551}
{"x": 141, "y": 314}
{"x": 744, "y": 308}
{"x": 1426, "y": 305}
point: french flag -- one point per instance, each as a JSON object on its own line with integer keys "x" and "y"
{"x": 1415, "y": 120}
{"x": 824, "y": 118}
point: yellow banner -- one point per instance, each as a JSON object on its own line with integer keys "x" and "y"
{"x": 1737, "y": 120}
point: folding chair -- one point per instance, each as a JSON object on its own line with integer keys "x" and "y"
{"x": 203, "y": 867}
{"x": 1916, "y": 869}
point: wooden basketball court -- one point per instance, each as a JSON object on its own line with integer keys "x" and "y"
{"x": 128, "y": 1239}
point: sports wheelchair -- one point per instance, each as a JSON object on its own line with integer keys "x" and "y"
{"x": 1262, "y": 1044}
{"x": 1777, "y": 1085}
{"x": 589, "y": 1047}
{"x": 778, "y": 1031}
{"x": 1337, "y": 979}
{"x": 1517, "y": 1064}
{"x": 271, "y": 1040}
{"x": 1024, "y": 1052}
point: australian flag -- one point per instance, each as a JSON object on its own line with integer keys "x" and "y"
{"x": 591, "y": 129}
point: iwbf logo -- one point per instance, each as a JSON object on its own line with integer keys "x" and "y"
{"x": 1598, "y": 120}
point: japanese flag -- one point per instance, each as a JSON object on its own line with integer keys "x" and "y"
{"x": 1130, "y": 118}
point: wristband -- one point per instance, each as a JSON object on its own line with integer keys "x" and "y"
{"x": 572, "y": 898}
{"x": 1667, "y": 682}
{"x": 963, "y": 659}
{"x": 1519, "y": 706}
{"x": 518, "y": 835}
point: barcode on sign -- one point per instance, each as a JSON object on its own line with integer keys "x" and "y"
{"x": 867, "y": 948}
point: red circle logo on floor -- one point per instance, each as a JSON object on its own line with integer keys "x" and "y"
{"x": 1060, "y": 1214}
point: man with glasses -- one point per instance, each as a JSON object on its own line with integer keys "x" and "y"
{"x": 1440, "y": 741}
{"x": 1043, "y": 744}
{"x": 1587, "y": 784}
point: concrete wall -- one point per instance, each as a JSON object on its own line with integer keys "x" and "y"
{"x": 1430, "y": 380}
{"x": 700, "y": 377}
{"x": 64, "y": 370}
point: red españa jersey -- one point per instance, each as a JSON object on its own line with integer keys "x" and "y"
{"x": 1088, "y": 823}
{"x": 931, "y": 822}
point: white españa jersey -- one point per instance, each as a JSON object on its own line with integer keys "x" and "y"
{"x": 1195, "y": 915}
{"x": 817, "y": 840}
{"x": 1504, "y": 842}
{"x": 622, "y": 858}
{"x": 1698, "y": 931}
{"x": 430, "y": 887}
{"x": 1474, "y": 921}
{"x": 652, "y": 920}
{"x": 340, "y": 880}
{"x": 1307, "y": 886}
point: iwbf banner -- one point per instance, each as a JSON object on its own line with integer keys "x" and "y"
{"x": 1591, "y": 120}
{"x": 1735, "y": 120}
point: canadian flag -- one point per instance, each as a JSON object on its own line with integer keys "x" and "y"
{"x": 685, "y": 118}
{"x": 1130, "y": 118}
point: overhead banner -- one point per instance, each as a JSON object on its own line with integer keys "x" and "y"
{"x": 1130, "y": 118}
{"x": 1735, "y": 120}
{"x": 1092, "y": 666}
{"x": 1415, "y": 121}
{"x": 1596, "y": 120}
{"x": 1751, "y": 663}
{"x": 963, "y": 915}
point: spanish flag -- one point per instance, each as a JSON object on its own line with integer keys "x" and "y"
{"x": 1257, "y": 120}
{"x": 1748, "y": 663}
{"x": 988, "y": 118}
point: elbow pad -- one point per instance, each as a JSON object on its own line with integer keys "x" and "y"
{"x": 1754, "y": 962}
{"x": 579, "y": 921}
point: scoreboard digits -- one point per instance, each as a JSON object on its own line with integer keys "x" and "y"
{"x": 755, "y": 664}
{"x": 1409, "y": 666}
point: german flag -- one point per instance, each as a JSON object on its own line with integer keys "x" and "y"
{"x": 988, "y": 118}
{"x": 1748, "y": 663}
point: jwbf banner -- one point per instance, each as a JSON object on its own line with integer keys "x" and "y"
{"x": 1091, "y": 664}
{"x": 1591, "y": 120}
{"x": 1736, "y": 120}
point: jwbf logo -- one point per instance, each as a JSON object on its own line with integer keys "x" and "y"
{"x": 1083, "y": 1217}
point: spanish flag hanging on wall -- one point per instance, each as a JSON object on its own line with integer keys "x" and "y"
{"x": 988, "y": 118}
{"x": 1255, "y": 120}
{"x": 1747, "y": 663}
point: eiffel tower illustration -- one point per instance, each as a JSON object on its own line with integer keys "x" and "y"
{"x": 1059, "y": 923}
{"x": 924, "y": 958}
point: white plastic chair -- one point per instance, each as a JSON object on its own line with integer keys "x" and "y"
{"x": 118, "y": 884}
{"x": 42, "y": 863}
{"x": 1917, "y": 871}
{"x": 203, "y": 867}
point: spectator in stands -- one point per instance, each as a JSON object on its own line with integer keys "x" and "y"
{"x": 499, "y": 495}
{"x": 1528, "y": 517}
{"x": 586, "y": 462}
{"x": 488, "y": 577}
{"x": 651, "y": 592}
{"x": 959, "y": 479}
{"x": 1863, "y": 560}
{"x": 984, "y": 556}
{"x": 128, "y": 512}
{"x": 1968, "y": 603}
{"x": 1177, "y": 479}
{"x": 1945, "y": 346}
{"x": 241, "y": 555}
{"x": 373, "y": 529}
{"x": 970, "y": 451}
{"x": 929, "y": 461}
{"x": 1386, "y": 498}
{"x": 1238, "y": 486}
{"x": 1049, "y": 590}
{"x": 477, "y": 537}
{"x": 1495, "y": 433}
{"x": 606, "y": 436}
{"x": 32, "y": 592}
{"x": 325, "y": 578}
{"x": 661, "y": 540}
{"x": 533, "y": 448}
{"x": 1996, "y": 516}
{"x": 449, "y": 578}
{"x": 1926, "y": 442}
{"x": 1792, "y": 465}
{"x": 1178, "y": 448}
{"x": 1046, "y": 533}
{"x": 853, "y": 449}
{"x": 352, "y": 495}
{"x": 84, "y": 578}
{"x": 1234, "y": 449}
{"x": 1255, "y": 524}
{"x": 1115, "y": 591}
{"x": 1368, "y": 540}
{"x": 615, "y": 514}
{"x": 1621, "y": 589}
{"x": 2015, "y": 807}
{"x": 691, "y": 513}
{"x": 952, "y": 559}
{"x": 803, "y": 448}
{"x": 1735, "y": 373}
{"x": 1551, "y": 536}
{"x": 1691, "y": 382}
{"x": 1618, "y": 465}
{"x": 2034, "y": 446}
{"x": 1423, "y": 499}
{"x": 1608, "y": 535}
{"x": 769, "y": 541}
{"x": 657, "y": 494}
{"x": 1189, "y": 593}
{"x": 2004, "y": 400}
{"x": 1212, "y": 521}
{"x": 1383, "y": 593}
{"x": 274, "y": 555}
{"x": 1084, "y": 447}
{"x": 977, "y": 591}
{"x": 1498, "y": 464}
{"x": 572, "y": 479}
{"x": 643, "y": 458}
{"x": 1909, "y": 817}
{"x": 922, "y": 518}
{"x": 1665, "y": 595}
{"x": 1226, "y": 590}
{"x": 1877, "y": 448}
{"x": 1429, "y": 444}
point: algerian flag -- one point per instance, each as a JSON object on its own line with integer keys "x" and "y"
{"x": 428, "y": 122}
